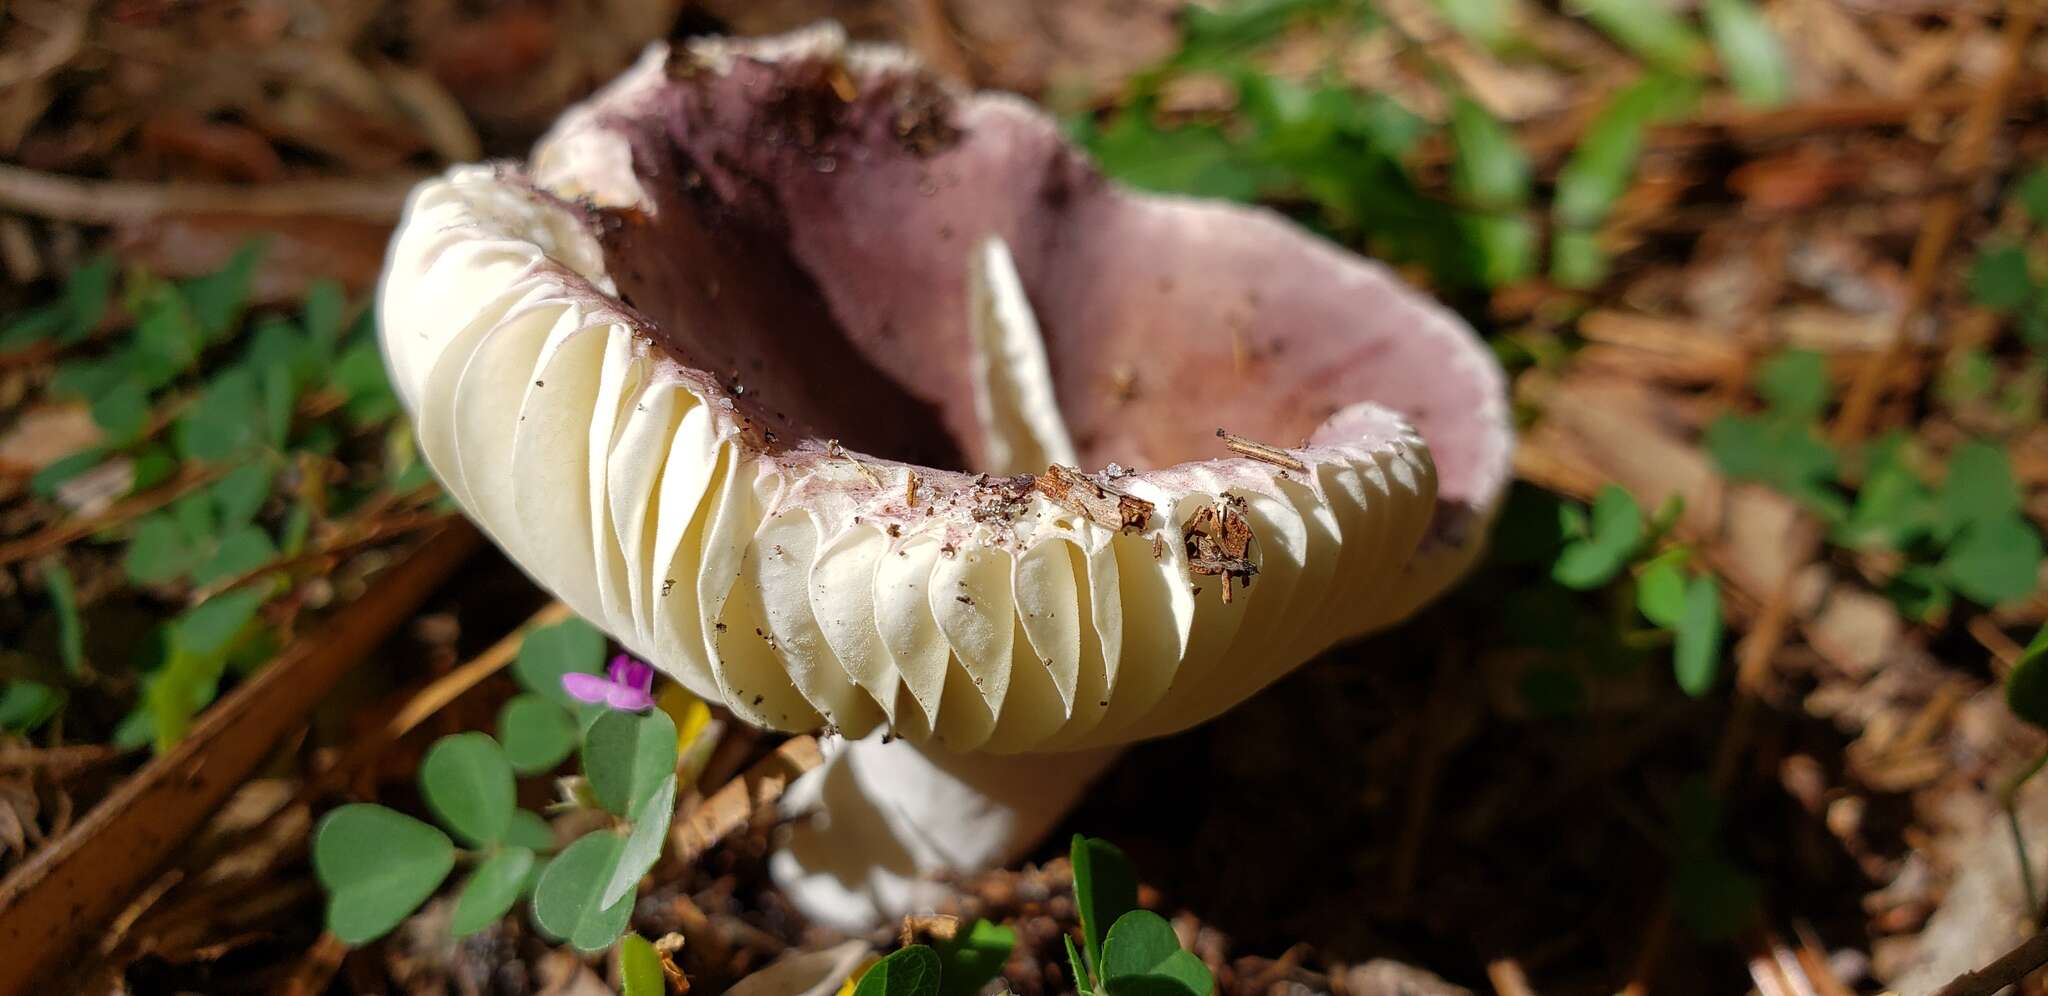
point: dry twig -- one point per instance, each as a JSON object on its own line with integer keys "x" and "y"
{"x": 2008, "y": 970}
{"x": 101, "y": 202}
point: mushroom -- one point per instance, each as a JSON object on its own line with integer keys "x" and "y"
{"x": 858, "y": 403}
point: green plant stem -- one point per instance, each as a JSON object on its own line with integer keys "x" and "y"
{"x": 2009, "y": 797}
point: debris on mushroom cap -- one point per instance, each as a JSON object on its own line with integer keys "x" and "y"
{"x": 757, "y": 310}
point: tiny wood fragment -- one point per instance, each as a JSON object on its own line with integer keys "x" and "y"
{"x": 1070, "y": 489}
{"x": 1219, "y": 540}
{"x": 1260, "y": 451}
{"x": 729, "y": 808}
{"x": 919, "y": 927}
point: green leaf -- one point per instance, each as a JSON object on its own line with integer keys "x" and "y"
{"x": 360, "y": 376}
{"x": 1616, "y": 531}
{"x": 1660, "y": 591}
{"x": 1599, "y": 169}
{"x": 1506, "y": 245}
{"x": 209, "y": 627}
{"x": 2032, "y": 193}
{"x": 550, "y": 652}
{"x": 1752, "y": 56}
{"x": 122, "y": 414}
{"x": 85, "y": 298}
{"x": 1696, "y": 651}
{"x": 1488, "y": 22}
{"x": 973, "y": 958}
{"x": 1786, "y": 455}
{"x": 643, "y": 843}
{"x": 165, "y": 343}
{"x": 640, "y": 967}
{"x": 1105, "y": 888}
{"x": 217, "y": 299}
{"x": 530, "y": 831}
{"x": 1994, "y": 562}
{"x": 137, "y": 729}
{"x": 377, "y": 866}
{"x": 565, "y": 900}
{"x": 32, "y": 326}
{"x": 1489, "y": 171}
{"x": 1979, "y": 488}
{"x": 227, "y": 422}
{"x": 1893, "y": 509}
{"x": 1142, "y": 956}
{"x": 1577, "y": 261}
{"x": 1238, "y": 26}
{"x": 537, "y": 733}
{"x": 26, "y": 705}
{"x": 1649, "y": 29}
{"x": 468, "y": 785}
{"x": 325, "y": 303}
{"x": 159, "y": 551}
{"x": 627, "y": 755}
{"x": 911, "y": 971}
{"x": 1999, "y": 279}
{"x": 176, "y": 692}
{"x": 2026, "y": 688}
{"x": 1196, "y": 159}
{"x": 1921, "y": 592}
{"x": 70, "y": 628}
{"x": 279, "y": 395}
{"x": 195, "y": 514}
{"x": 1794, "y": 383}
{"x": 490, "y": 891}
{"x": 152, "y": 465}
{"x": 242, "y": 549}
{"x": 240, "y": 493}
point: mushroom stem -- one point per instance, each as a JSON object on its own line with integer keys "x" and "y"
{"x": 881, "y": 820}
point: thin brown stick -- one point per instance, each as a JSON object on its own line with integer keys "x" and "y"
{"x": 1965, "y": 157}
{"x": 389, "y": 528}
{"x": 1261, "y": 452}
{"x": 2008, "y": 970}
{"x": 132, "y": 507}
{"x": 104, "y": 202}
{"x": 57, "y": 761}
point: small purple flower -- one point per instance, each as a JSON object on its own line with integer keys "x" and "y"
{"x": 628, "y": 685}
